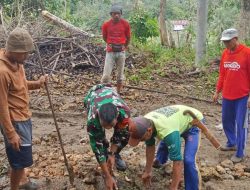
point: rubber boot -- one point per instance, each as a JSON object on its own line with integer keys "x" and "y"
{"x": 119, "y": 163}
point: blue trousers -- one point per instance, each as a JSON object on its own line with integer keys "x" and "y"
{"x": 191, "y": 171}
{"x": 235, "y": 123}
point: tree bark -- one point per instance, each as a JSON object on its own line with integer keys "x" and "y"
{"x": 202, "y": 14}
{"x": 3, "y": 30}
{"x": 163, "y": 29}
{"x": 65, "y": 8}
{"x": 244, "y": 28}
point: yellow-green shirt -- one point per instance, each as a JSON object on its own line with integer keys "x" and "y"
{"x": 169, "y": 119}
{"x": 170, "y": 124}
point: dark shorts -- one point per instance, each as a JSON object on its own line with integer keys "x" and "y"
{"x": 23, "y": 158}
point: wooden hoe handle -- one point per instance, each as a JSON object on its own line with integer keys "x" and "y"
{"x": 203, "y": 128}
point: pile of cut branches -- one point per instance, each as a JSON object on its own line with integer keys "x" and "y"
{"x": 66, "y": 54}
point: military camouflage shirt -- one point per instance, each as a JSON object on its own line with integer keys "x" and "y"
{"x": 96, "y": 97}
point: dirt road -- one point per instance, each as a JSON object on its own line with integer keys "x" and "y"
{"x": 217, "y": 172}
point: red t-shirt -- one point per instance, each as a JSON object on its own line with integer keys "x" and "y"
{"x": 116, "y": 33}
{"x": 234, "y": 78}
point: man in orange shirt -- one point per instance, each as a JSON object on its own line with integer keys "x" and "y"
{"x": 15, "y": 123}
{"x": 234, "y": 83}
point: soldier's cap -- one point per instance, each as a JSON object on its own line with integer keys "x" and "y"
{"x": 19, "y": 40}
{"x": 138, "y": 130}
{"x": 229, "y": 34}
{"x": 116, "y": 9}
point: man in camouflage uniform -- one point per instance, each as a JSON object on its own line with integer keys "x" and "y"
{"x": 107, "y": 110}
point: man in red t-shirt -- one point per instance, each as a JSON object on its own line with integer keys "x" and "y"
{"x": 116, "y": 33}
{"x": 234, "y": 83}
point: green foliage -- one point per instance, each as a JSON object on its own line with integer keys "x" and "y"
{"x": 209, "y": 81}
{"x": 134, "y": 78}
{"x": 143, "y": 26}
{"x": 221, "y": 15}
{"x": 214, "y": 50}
{"x": 248, "y": 43}
{"x": 161, "y": 55}
{"x": 158, "y": 57}
{"x": 55, "y": 7}
{"x": 91, "y": 16}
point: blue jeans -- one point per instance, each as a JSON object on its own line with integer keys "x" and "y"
{"x": 191, "y": 171}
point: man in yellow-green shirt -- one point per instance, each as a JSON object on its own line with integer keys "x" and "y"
{"x": 169, "y": 124}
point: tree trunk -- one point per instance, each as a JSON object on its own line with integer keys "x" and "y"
{"x": 163, "y": 28}
{"x": 244, "y": 28}
{"x": 65, "y": 8}
{"x": 202, "y": 14}
{"x": 1, "y": 22}
{"x": 58, "y": 21}
{"x": 3, "y": 31}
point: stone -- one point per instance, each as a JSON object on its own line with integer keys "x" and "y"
{"x": 127, "y": 179}
{"x": 247, "y": 174}
{"x": 66, "y": 173}
{"x": 35, "y": 157}
{"x": 128, "y": 153}
{"x": 227, "y": 164}
{"x": 209, "y": 173}
{"x": 31, "y": 175}
{"x": 84, "y": 140}
{"x": 220, "y": 169}
{"x": 36, "y": 140}
{"x": 43, "y": 143}
{"x": 210, "y": 186}
{"x": 203, "y": 164}
{"x": 43, "y": 164}
{"x": 229, "y": 172}
{"x": 41, "y": 173}
{"x": 142, "y": 163}
{"x": 89, "y": 180}
{"x": 239, "y": 167}
{"x": 134, "y": 112}
{"x": 238, "y": 174}
{"x": 36, "y": 171}
{"x": 45, "y": 138}
{"x": 227, "y": 177}
{"x": 219, "y": 127}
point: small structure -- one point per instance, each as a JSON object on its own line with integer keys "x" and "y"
{"x": 179, "y": 25}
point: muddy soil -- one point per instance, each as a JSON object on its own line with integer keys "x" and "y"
{"x": 67, "y": 94}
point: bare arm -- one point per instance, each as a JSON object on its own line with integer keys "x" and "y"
{"x": 33, "y": 85}
{"x": 150, "y": 155}
{"x": 109, "y": 180}
{"x": 113, "y": 148}
{"x": 147, "y": 175}
{"x": 105, "y": 170}
{"x": 127, "y": 42}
